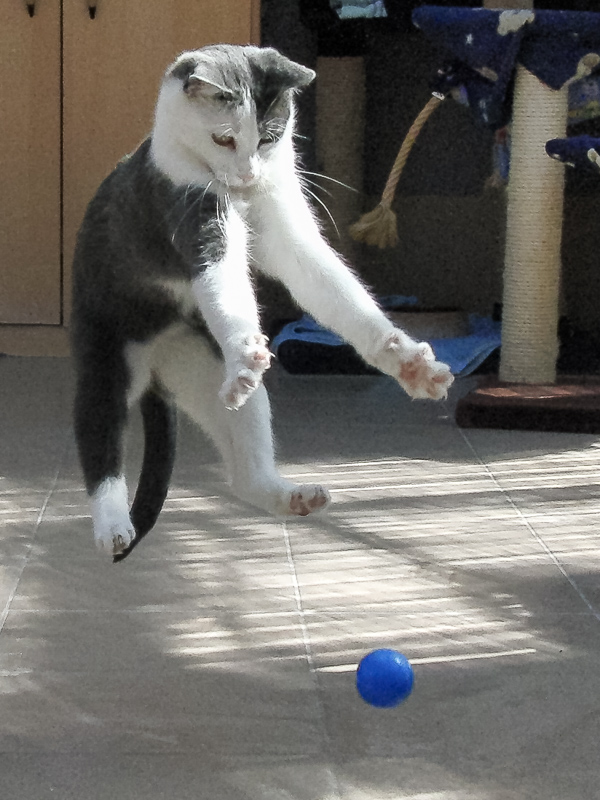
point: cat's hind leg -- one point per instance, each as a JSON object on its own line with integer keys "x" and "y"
{"x": 192, "y": 373}
{"x": 100, "y": 419}
{"x": 253, "y": 472}
{"x": 113, "y": 529}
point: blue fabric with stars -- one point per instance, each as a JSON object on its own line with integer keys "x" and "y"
{"x": 487, "y": 44}
{"x": 577, "y": 151}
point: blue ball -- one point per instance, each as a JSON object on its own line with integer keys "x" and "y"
{"x": 384, "y": 678}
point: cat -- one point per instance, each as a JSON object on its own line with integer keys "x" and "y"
{"x": 164, "y": 310}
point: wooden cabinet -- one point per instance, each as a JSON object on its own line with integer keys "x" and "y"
{"x": 77, "y": 92}
{"x": 30, "y": 157}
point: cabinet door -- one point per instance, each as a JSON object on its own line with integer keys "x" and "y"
{"x": 113, "y": 65}
{"x": 30, "y": 270}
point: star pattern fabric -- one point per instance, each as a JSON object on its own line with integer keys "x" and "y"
{"x": 577, "y": 151}
{"x": 558, "y": 47}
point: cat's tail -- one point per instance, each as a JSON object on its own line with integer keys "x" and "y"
{"x": 160, "y": 433}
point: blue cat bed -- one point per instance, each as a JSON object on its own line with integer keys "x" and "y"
{"x": 304, "y": 347}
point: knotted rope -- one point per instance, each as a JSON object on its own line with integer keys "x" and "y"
{"x": 378, "y": 227}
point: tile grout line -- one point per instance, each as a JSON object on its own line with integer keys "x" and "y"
{"x": 308, "y": 651}
{"x": 531, "y": 530}
{"x": 40, "y": 516}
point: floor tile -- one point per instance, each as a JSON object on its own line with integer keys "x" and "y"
{"x": 222, "y": 712}
{"x": 219, "y": 660}
{"x": 481, "y": 726}
{"x": 160, "y": 775}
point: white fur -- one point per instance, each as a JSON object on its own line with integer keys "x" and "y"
{"x": 226, "y": 299}
{"x": 189, "y": 370}
{"x": 182, "y": 144}
{"x": 140, "y": 371}
{"x": 113, "y": 531}
{"x": 183, "y": 293}
{"x": 173, "y": 150}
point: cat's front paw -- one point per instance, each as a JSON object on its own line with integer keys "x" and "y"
{"x": 414, "y": 366}
{"x": 245, "y": 375}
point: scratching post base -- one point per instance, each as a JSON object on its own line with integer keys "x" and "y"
{"x": 571, "y": 404}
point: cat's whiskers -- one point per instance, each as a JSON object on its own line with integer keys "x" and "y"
{"x": 222, "y": 210}
{"x": 327, "y": 178}
{"x": 327, "y": 211}
{"x": 304, "y": 181}
{"x": 275, "y": 128}
{"x": 207, "y": 187}
{"x": 197, "y": 202}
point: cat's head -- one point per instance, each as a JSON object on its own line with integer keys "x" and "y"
{"x": 228, "y": 109}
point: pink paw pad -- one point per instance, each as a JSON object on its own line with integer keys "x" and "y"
{"x": 258, "y": 355}
{"x": 307, "y": 499}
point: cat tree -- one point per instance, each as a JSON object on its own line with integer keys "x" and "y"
{"x": 543, "y": 51}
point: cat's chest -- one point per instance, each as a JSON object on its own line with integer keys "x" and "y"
{"x": 180, "y": 292}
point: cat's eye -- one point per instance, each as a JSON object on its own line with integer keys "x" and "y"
{"x": 224, "y": 97}
{"x": 266, "y": 139}
{"x": 224, "y": 141}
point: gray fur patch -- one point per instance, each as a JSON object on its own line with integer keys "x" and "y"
{"x": 138, "y": 232}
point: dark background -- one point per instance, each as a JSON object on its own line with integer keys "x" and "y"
{"x": 451, "y": 228}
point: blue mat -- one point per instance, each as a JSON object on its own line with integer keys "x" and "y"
{"x": 463, "y": 354}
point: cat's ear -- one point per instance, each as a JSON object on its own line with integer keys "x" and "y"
{"x": 189, "y": 71}
{"x": 290, "y": 74}
{"x": 183, "y": 67}
{"x": 298, "y": 75}
{"x": 195, "y": 85}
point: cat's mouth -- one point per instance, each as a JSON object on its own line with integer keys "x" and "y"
{"x": 237, "y": 184}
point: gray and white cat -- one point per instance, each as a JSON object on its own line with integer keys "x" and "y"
{"x": 164, "y": 310}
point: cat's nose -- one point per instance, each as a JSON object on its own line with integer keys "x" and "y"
{"x": 248, "y": 177}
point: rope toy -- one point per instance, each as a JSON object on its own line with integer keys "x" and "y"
{"x": 378, "y": 227}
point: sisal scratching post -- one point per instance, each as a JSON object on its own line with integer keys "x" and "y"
{"x": 545, "y": 51}
{"x": 340, "y": 135}
{"x": 533, "y": 234}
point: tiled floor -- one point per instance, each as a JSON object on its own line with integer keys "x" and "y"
{"x": 218, "y": 661}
